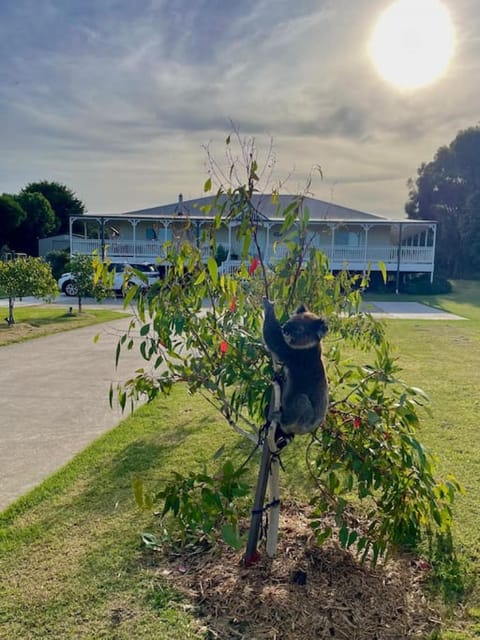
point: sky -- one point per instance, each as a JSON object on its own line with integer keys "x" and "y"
{"x": 121, "y": 100}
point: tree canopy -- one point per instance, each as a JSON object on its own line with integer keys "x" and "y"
{"x": 447, "y": 189}
{"x": 40, "y": 209}
{"x": 11, "y": 216}
{"x": 39, "y": 221}
{"x": 63, "y": 201}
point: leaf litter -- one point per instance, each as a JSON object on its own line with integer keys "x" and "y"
{"x": 306, "y": 592}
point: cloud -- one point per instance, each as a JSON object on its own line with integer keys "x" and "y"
{"x": 118, "y": 98}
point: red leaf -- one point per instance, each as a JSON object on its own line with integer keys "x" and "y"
{"x": 253, "y": 266}
{"x": 223, "y": 346}
{"x": 233, "y": 304}
{"x": 357, "y": 423}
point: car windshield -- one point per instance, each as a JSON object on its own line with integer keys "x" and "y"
{"x": 120, "y": 267}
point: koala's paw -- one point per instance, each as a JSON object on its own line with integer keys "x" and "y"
{"x": 267, "y": 304}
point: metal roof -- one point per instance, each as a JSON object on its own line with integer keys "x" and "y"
{"x": 319, "y": 209}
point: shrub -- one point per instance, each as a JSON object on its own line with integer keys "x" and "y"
{"x": 58, "y": 260}
{"x": 421, "y": 285}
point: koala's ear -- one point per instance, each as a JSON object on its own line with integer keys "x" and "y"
{"x": 321, "y": 328}
{"x": 301, "y": 309}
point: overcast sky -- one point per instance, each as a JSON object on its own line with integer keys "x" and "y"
{"x": 117, "y": 98}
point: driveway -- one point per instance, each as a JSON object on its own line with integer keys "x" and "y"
{"x": 404, "y": 310}
{"x": 54, "y": 401}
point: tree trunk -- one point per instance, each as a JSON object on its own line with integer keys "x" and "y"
{"x": 10, "y": 319}
{"x": 79, "y": 304}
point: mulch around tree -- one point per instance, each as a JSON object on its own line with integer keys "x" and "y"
{"x": 306, "y": 593}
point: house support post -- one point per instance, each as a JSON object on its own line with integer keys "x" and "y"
{"x": 366, "y": 228}
{"x": 134, "y": 235}
{"x": 434, "y": 228}
{"x": 332, "y": 248}
{"x": 399, "y": 255}
{"x": 102, "y": 238}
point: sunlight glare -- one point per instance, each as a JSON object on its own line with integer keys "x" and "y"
{"x": 412, "y": 43}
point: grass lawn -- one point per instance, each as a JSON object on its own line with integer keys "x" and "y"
{"x": 71, "y": 562}
{"x": 36, "y": 321}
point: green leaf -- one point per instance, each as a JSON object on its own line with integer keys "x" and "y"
{"x": 208, "y": 185}
{"x": 145, "y": 329}
{"x": 138, "y": 492}
{"x": 383, "y": 270}
{"x": 324, "y": 535}
{"x": 219, "y": 453}
{"x": 201, "y": 278}
{"x": 231, "y": 537}
{"x": 343, "y": 536}
{"x": 213, "y": 270}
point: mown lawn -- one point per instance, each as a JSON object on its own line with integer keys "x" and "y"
{"x": 37, "y": 321}
{"x": 71, "y": 561}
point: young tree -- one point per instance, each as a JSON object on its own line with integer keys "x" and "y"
{"x": 26, "y": 277}
{"x": 91, "y": 278}
{"x": 63, "y": 201}
{"x": 447, "y": 189}
{"x": 367, "y": 451}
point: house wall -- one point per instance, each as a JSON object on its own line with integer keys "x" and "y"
{"x": 54, "y": 243}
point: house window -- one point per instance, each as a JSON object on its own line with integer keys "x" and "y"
{"x": 347, "y": 238}
{"x": 150, "y": 233}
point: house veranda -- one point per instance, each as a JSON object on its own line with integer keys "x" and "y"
{"x": 350, "y": 239}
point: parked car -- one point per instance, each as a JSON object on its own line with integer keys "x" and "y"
{"x": 68, "y": 286}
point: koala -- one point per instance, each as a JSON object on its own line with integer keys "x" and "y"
{"x": 304, "y": 399}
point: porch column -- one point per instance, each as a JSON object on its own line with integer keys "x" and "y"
{"x": 134, "y": 235}
{"x": 102, "y": 238}
{"x": 267, "y": 242}
{"x": 399, "y": 257}
{"x": 366, "y": 228}
{"x": 434, "y": 228}
{"x": 332, "y": 249}
{"x": 229, "y": 240}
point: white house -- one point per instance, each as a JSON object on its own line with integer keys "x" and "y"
{"x": 351, "y": 239}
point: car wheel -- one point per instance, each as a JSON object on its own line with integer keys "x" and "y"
{"x": 70, "y": 288}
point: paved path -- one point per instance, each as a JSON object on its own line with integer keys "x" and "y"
{"x": 408, "y": 311}
{"x": 54, "y": 401}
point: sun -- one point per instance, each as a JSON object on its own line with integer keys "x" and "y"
{"x": 412, "y": 43}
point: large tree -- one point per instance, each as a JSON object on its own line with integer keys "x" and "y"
{"x": 447, "y": 189}
{"x": 63, "y": 201}
{"x": 39, "y": 221}
{"x": 11, "y": 216}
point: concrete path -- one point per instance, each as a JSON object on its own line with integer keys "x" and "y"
{"x": 54, "y": 401}
{"x": 408, "y": 311}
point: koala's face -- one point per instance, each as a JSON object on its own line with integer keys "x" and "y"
{"x": 304, "y": 330}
